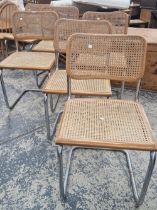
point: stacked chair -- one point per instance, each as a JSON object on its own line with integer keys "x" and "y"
{"x": 7, "y": 10}
{"x": 97, "y": 51}
{"x": 28, "y": 25}
{"x": 116, "y": 125}
{"x": 57, "y": 82}
{"x": 69, "y": 12}
{"x": 118, "y": 19}
{"x": 6, "y": 14}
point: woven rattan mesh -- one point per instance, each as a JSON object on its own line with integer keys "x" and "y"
{"x": 114, "y": 57}
{"x": 105, "y": 123}
{"x": 6, "y": 13}
{"x": 29, "y": 61}
{"x": 64, "y": 28}
{"x": 69, "y": 12}
{"x": 37, "y": 7}
{"x": 119, "y": 20}
{"x": 57, "y": 83}
{"x": 44, "y": 46}
{"x": 34, "y": 25}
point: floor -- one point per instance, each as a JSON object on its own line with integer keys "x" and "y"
{"x": 28, "y": 162}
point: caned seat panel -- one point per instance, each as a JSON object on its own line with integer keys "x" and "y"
{"x": 29, "y": 61}
{"x": 44, "y": 46}
{"x": 105, "y": 123}
{"x": 57, "y": 83}
{"x": 11, "y": 37}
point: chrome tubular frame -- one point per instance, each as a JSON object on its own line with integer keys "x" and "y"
{"x": 47, "y": 119}
{"x": 37, "y": 78}
{"x": 138, "y": 86}
{"x": 139, "y": 198}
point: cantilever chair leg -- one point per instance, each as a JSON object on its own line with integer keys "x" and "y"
{"x": 5, "y": 93}
{"x": 6, "y": 47}
{"x": 139, "y": 198}
{"x": 47, "y": 119}
{"x": 47, "y": 116}
{"x": 120, "y": 95}
{"x": 37, "y": 78}
{"x": 63, "y": 183}
{"x": 52, "y": 105}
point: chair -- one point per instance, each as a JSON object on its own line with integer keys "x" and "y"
{"x": 56, "y": 83}
{"x": 6, "y": 13}
{"x": 28, "y": 25}
{"x": 37, "y": 7}
{"x": 118, "y": 19}
{"x": 116, "y": 125}
{"x": 69, "y": 12}
{"x": 145, "y": 16}
{"x": 7, "y": 10}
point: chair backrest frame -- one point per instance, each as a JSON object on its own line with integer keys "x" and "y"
{"x": 66, "y": 27}
{"x": 118, "y": 19}
{"x": 69, "y": 12}
{"x": 6, "y": 14}
{"x": 114, "y": 57}
{"x": 34, "y": 25}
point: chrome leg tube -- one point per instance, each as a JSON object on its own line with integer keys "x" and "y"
{"x": 6, "y": 47}
{"x": 63, "y": 183}
{"x": 39, "y": 84}
{"x": 137, "y": 90}
{"x": 68, "y": 169}
{"x": 147, "y": 177}
{"x": 139, "y": 199}
{"x": 122, "y": 90}
{"x": 20, "y": 96}
{"x": 4, "y": 90}
{"x": 55, "y": 124}
{"x": 60, "y": 161}
{"x": 56, "y": 60}
{"x": 47, "y": 120}
{"x": 52, "y": 105}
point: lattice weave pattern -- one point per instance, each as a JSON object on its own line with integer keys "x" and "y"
{"x": 119, "y": 20}
{"x": 69, "y": 12}
{"x": 114, "y": 57}
{"x": 65, "y": 28}
{"x": 34, "y": 25}
{"x": 107, "y": 123}
{"x": 57, "y": 83}
{"x": 6, "y": 13}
